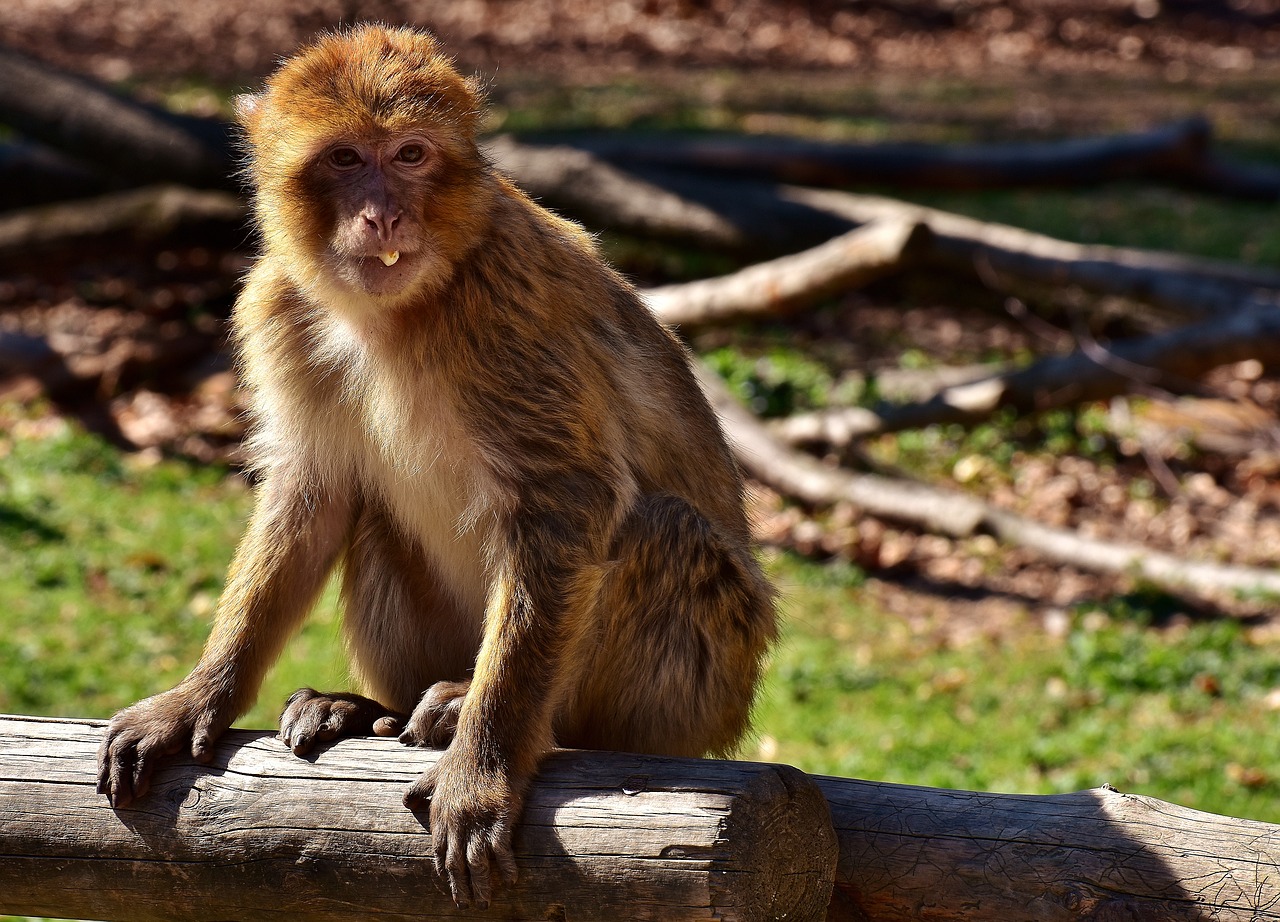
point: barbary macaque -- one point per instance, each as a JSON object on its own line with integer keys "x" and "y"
{"x": 540, "y": 528}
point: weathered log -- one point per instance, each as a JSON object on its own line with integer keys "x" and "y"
{"x": 1174, "y": 361}
{"x": 1173, "y": 151}
{"x": 911, "y": 853}
{"x": 143, "y": 215}
{"x": 110, "y": 132}
{"x": 31, "y": 174}
{"x": 1191, "y": 286}
{"x": 262, "y": 834}
{"x": 749, "y": 218}
{"x": 788, "y": 283}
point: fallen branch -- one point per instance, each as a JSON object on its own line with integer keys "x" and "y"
{"x": 788, "y": 283}
{"x": 261, "y": 834}
{"x": 31, "y": 174}
{"x": 120, "y": 218}
{"x": 1175, "y": 151}
{"x": 1173, "y": 361}
{"x": 722, "y": 215}
{"x": 111, "y": 133}
{"x": 1191, "y": 286}
{"x": 958, "y": 515}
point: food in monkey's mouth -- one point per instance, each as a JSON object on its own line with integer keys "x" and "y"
{"x": 389, "y": 259}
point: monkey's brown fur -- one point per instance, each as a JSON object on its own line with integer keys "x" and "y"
{"x": 540, "y": 525}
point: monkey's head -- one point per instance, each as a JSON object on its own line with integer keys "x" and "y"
{"x": 362, "y": 150}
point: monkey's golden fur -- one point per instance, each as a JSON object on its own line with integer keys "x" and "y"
{"x": 540, "y": 526}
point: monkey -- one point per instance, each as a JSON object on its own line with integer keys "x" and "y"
{"x": 457, "y": 403}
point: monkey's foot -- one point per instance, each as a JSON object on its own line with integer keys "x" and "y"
{"x": 312, "y": 717}
{"x": 433, "y": 721}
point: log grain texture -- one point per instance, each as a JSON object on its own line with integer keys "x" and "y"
{"x": 915, "y": 853}
{"x": 263, "y": 834}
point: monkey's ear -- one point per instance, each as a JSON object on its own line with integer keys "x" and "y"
{"x": 248, "y": 107}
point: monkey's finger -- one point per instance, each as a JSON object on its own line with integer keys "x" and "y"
{"x": 304, "y": 733}
{"x": 104, "y": 763}
{"x": 120, "y": 774}
{"x": 418, "y": 797}
{"x": 203, "y": 737}
{"x": 459, "y": 880}
{"x": 505, "y": 858}
{"x": 478, "y": 870}
{"x": 144, "y": 762}
{"x": 388, "y": 726}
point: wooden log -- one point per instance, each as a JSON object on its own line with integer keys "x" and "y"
{"x": 788, "y": 283}
{"x": 262, "y": 834}
{"x": 112, "y": 133}
{"x": 1175, "y": 360}
{"x": 1174, "y": 151}
{"x": 912, "y": 853}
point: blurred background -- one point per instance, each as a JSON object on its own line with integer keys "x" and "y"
{"x": 912, "y": 652}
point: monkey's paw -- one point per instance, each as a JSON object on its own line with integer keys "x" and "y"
{"x": 139, "y": 737}
{"x": 311, "y": 717}
{"x": 434, "y": 720}
{"x": 471, "y": 816}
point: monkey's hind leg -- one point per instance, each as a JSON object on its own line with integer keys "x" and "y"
{"x": 685, "y": 619}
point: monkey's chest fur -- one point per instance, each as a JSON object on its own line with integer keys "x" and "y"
{"x": 388, "y": 425}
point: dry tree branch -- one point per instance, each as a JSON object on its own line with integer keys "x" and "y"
{"x": 113, "y": 133}
{"x": 137, "y": 215}
{"x": 1171, "y": 360}
{"x": 788, "y": 283}
{"x": 1188, "y": 285}
{"x": 1175, "y": 152}
{"x": 955, "y": 514}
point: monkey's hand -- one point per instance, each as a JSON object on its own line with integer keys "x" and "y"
{"x": 312, "y": 717}
{"x": 434, "y": 719}
{"x": 164, "y": 725}
{"x": 472, "y": 812}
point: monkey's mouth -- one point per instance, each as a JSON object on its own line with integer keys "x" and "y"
{"x": 383, "y": 273}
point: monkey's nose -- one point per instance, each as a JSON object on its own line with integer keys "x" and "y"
{"x": 381, "y": 223}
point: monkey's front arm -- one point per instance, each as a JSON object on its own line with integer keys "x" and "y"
{"x": 540, "y": 610}
{"x": 279, "y": 568}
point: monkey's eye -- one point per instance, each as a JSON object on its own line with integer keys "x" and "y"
{"x": 344, "y": 157}
{"x": 411, "y": 153}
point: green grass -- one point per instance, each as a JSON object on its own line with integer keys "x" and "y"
{"x": 109, "y": 573}
{"x": 1181, "y": 713}
{"x": 110, "y": 568}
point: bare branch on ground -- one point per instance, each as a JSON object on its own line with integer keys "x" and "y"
{"x": 146, "y": 214}
{"x": 1179, "y": 153}
{"x": 1174, "y": 361}
{"x": 786, "y": 284}
{"x": 112, "y": 133}
{"x": 1191, "y": 286}
{"x": 958, "y": 515}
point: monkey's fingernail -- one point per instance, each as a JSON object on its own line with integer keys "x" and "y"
{"x": 389, "y": 258}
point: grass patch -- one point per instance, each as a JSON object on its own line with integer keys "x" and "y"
{"x": 1180, "y": 713}
{"x": 110, "y": 572}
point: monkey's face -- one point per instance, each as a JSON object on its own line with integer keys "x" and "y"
{"x": 375, "y": 236}
{"x": 366, "y": 167}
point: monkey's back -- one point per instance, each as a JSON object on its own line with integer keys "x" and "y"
{"x": 576, "y": 356}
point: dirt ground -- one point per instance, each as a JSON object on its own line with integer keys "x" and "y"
{"x": 235, "y": 39}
